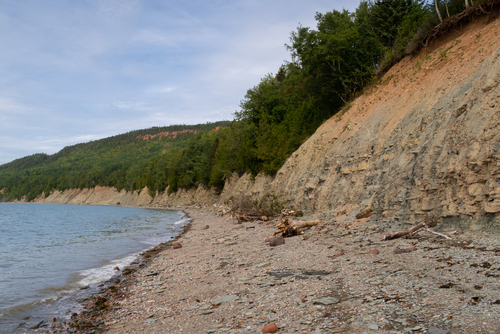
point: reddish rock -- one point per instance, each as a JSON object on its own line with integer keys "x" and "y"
{"x": 339, "y": 254}
{"x": 116, "y": 268}
{"x": 177, "y": 245}
{"x": 317, "y": 230}
{"x": 374, "y": 251}
{"x": 271, "y": 328}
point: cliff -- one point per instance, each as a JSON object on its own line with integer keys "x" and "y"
{"x": 423, "y": 143}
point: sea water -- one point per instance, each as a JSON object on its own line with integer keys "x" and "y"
{"x": 49, "y": 252}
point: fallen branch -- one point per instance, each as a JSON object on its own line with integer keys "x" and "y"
{"x": 395, "y": 235}
{"x": 250, "y": 218}
{"x": 436, "y": 233}
{"x": 414, "y": 230}
{"x": 303, "y": 224}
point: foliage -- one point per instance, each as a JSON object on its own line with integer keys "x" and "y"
{"x": 268, "y": 205}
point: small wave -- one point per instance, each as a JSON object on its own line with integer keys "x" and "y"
{"x": 10, "y": 311}
{"x": 184, "y": 220}
{"x": 96, "y": 275}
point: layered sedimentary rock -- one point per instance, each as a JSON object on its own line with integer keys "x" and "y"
{"x": 424, "y": 144}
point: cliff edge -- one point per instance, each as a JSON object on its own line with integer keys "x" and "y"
{"x": 423, "y": 144}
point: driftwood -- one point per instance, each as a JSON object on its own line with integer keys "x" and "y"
{"x": 290, "y": 213}
{"x": 395, "y": 235}
{"x": 288, "y": 228}
{"x": 250, "y": 218}
{"x": 414, "y": 230}
{"x": 303, "y": 224}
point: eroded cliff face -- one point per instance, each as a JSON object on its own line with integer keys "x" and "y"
{"x": 423, "y": 143}
{"x": 426, "y": 142}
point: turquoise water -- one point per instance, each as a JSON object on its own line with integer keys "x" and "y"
{"x": 47, "y": 252}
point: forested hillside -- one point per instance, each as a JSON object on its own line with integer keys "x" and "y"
{"x": 129, "y": 161}
{"x": 330, "y": 66}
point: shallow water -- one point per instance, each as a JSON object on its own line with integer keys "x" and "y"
{"x": 47, "y": 252}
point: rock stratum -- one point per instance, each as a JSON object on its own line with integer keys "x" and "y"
{"x": 424, "y": 143}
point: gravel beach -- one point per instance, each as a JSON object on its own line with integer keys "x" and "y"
{"x": 337, "y": 278}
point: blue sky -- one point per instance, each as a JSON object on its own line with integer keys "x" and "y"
{"x": 75, "y": 71}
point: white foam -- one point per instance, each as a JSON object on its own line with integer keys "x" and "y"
{"x": 96, "y": 275}
{"x": 183, "y": 221}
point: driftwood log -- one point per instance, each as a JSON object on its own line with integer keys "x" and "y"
{"x": 414, "y": 230}
{"x": 243, "y": 218}
{"x": 289, "y": 229}
{"x": 303, "y": 224}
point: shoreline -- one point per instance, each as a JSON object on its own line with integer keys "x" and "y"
{"x": 39, "y": 315}
{"x": 226, "y": 279}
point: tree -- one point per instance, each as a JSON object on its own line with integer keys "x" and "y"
{"x": 437, "y": 11}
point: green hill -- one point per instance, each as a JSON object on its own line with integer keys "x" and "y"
{"x": 124, "y": 161}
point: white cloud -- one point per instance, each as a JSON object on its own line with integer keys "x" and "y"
{"x": 160, "y": 90}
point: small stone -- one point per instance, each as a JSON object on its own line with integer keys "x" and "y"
{"x": 206, "y": 227}
{"x": 36, "y": 326}
{"x": 271, "y": 328}
{"x": 243, "y": 279}
{"x": 339, "y": 254}
{"x": 276, "y": 241}
{"x": 221, "y": 240}
{"x": 177, "y": 245}
{"x": 263, "y": 264}
{"x": 259, "y": 291}
{"x": 224, "y": 299}
{"x": 435, "y": 330}
{"x": 326, "y": 301}
{"x": 404, "y": 250}
{"x": 374, "y": 251}
{"x": 373, "y": 327}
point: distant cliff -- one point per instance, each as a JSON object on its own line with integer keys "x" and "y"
{"x": 424, "y": 143}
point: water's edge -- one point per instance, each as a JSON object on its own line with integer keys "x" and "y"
{"x": 67, "y": 303}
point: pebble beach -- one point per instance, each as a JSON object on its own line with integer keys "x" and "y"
{"x": 220, "y": 276}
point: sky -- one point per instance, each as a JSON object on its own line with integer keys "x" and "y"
{"x": 76, "y": 71}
